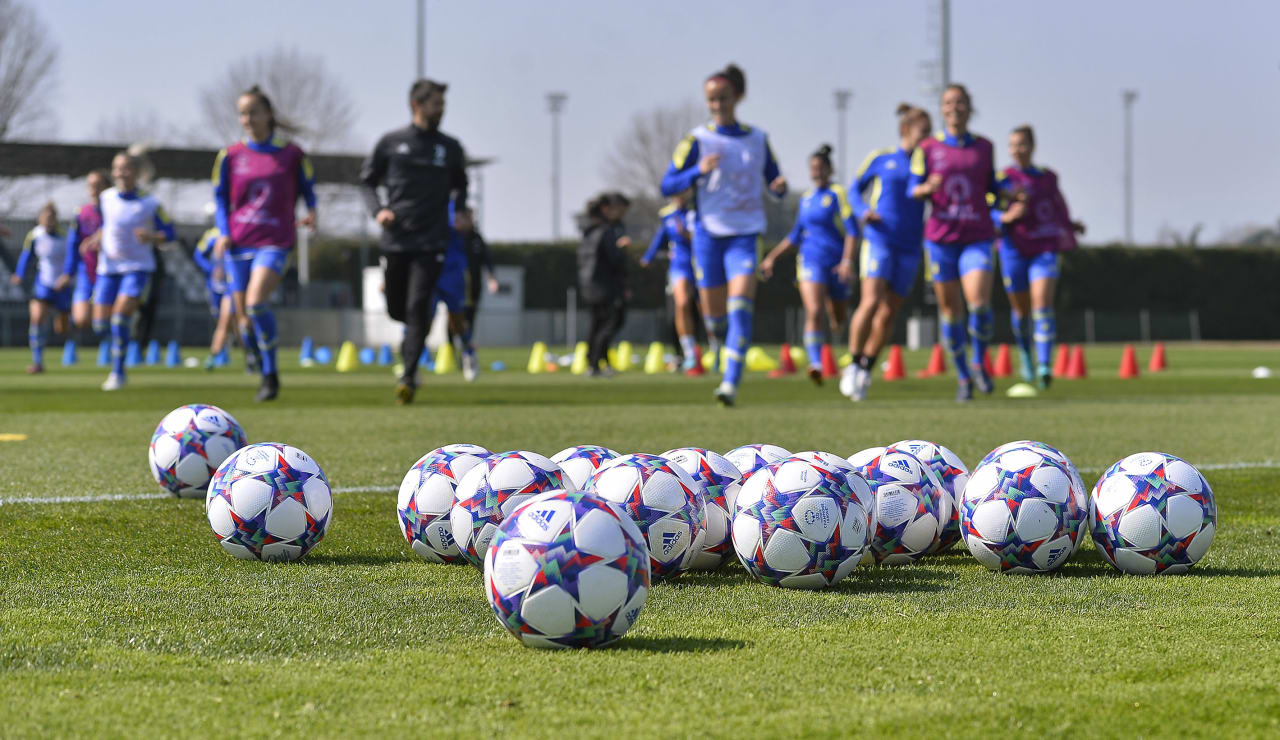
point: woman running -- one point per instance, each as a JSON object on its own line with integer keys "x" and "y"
{"x": 51, "y": 295}
{"x": 221, "y": 307}
{"x": 673, "y": 235}
{"x": 1036, "y": 226}
{"x": 826, "y": 234}
{"x": 955, "y": 171}
{"x": 892, "y": 232}
{"x": 132, "y": 222}
{"x": 730, "y": 164}
{"x": 256, "y": 186}
{"x": 82, "y": 250}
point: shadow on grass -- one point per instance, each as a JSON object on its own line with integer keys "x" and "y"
{"x": 872, "y": 579}
{"x": 1234, "y": 572}
{"x": 678, "y": 644}
{"x": 356, "y": 558}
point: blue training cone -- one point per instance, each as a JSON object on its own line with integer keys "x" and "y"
{"x": 384, "y": 355}
{"x": 222, "y": 359}
{"x": 69, "y": 353}
{"x": 153, "y": 352}
{"x": 133, "y": 356}
{"x": 104, "y": 353}
{"x": 323, "y": 355}
{"x": 171, "y": 356}
{"x": 424, "y": 360}
{"x": 366, "y": 356}
{"x": 307, "y": 353}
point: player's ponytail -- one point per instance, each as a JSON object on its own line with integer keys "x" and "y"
{"x": 909, "y": 116}
{"x": 823, "y": 154}
{"x": 735, "y": 77}
{"x": 1025, "y": 130}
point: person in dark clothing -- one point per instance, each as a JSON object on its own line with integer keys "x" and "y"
{"x": 602, "y": 275}
{"x": 479, "y": 265}
{"x": 422, "y": 171}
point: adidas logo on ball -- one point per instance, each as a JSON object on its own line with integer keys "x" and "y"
{"x": 900, "y": 465}
{"x": 669, "y": 541}
{"x": 542, "y": 517}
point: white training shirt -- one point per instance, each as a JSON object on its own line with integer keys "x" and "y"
{"x": 49, "y": 250}
{"x": 122, "y": 213}
{"x": 731, "y": 197}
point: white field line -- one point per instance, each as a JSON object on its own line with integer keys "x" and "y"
{"x": 101, "y": 497}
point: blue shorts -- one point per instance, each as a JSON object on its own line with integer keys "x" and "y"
{"x": 894, "y": 265}
{"x": 83, "y": 292}
{"x": 681, "y": 264}
{"x": 1020, "y": 270}
{"x": 240, "y": 262}
{"x": 819, "y": 266}
{"x": 59, "y": 299}
{"x": 135, "y": 284}
{"x": 452, "y": 289}
{"x": 719, "y": 259}
{"x": 948, "y": 262}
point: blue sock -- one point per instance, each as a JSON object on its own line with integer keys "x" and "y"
{"x": 980, "y": 322}
{"x": 1020, "y": 335}
{"x": 717, "y": 329}
{"x": 741, "y": 316}
{"x": 813, "y": 347}
{"x": 264, "y": 325}
{"x": 466, "y": 342}
{"x": 100, "y": 328}
{"x": 35, "y": 338}
{"x": 953, "y": 339}
{"x": 249, "y": 339}
{"x": 119, "y": 341}
{"x": 1045, "y": 328}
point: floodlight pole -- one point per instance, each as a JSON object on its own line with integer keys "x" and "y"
{"x": 842, "y": 105}
{"x": 1129, "y": 97}
{"x": 555, "y": 104}
{"x": 422, "y": 39}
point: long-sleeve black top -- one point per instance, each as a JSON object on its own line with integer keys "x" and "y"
{"x": 422, "y": 170}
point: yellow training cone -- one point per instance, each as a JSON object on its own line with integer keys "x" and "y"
{"x": 347, "y": 357}
{"x": 653, "y": 363}
{"x": 622, "y": 362}
{"x": 579, "y": 365}
{"x": 611, "y": 357}
{"x": 759, "y": 362}
{"x": 799, "y": 357}
{"x": 445, "y": 361}
{"x": 538, "y": 357}
{"x": 709, "y": 361}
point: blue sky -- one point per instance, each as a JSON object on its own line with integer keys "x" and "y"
{"x": 1207, "y": 75}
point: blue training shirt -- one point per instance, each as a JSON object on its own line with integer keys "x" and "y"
{"x": 882, "y": 184}
{"x": 672, "y": 234}
{"x": 822, "y": 222}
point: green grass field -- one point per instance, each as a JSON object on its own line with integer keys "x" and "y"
{"x": 124, "y": 618}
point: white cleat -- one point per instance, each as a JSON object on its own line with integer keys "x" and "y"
{"x": 470, "y": 368}
{"x": 848, "y": 380}
{"x": 113, "y": 382}
{"x": 726, "y": 393}
{"x": 862, "y": 385}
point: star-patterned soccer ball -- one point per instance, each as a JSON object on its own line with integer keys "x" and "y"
{"x": 1152, "y": 513}
{"x": 269, "y": 501}
{"x": 578, "y": 463}
{"x": 750, "y": 458}
{"x": 426, "y": 497}
{"x": 189, "y": 444}
{"x": 951, "y": 470}
{"x": 909, "y": 504}
{"x": 1022, "y": 512}
{"x": 1049, "y": 451}
{"x": 663, "y": 501}
{"x": 720, "y": 481}
{"x": 567, "y": 569}
{"x": 799, "y": 524}
{"x": 489, "y": 492}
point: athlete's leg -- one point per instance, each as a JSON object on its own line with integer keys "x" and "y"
{"x": 122, "y": 312}
{"x": 975, "y": 280}
{"x": 36, "y": 310}
{"x": 263, "y": 280}
{"x": 1045, "y": 325}
{"x": 813, "y": 296}
{"x": 682, "y": 299}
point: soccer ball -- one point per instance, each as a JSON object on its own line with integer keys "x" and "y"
{"x": 1152, "y": 513}
{"x": 269, "y": 501}
{"x": 1021, "y": 512}
{"x": 578, "y": 463}
{"x": 567, "y": 569}
{"x": 954, "y": 475}
{"x": 859, "y": 459}
{"x": 720, "y": 481}
{"x": 188, "y": 446}
{"x": 909, "y": 504}
{"x": 750, "y": 458}
{"x": 799, "y": 525}
{"x": 489, "y": 492}
{"x": 1049, "y": 451}
{"x": 426, "y": 498}
{"x": 664, "y": 502}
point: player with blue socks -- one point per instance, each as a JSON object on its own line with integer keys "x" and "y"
{"x": 221, "y": 306}
{"x": 955, "y": 171}
{"x": 44, "y": 248}
{"x": 730, "y": 166}
{"x": 1037, "y": 227}
{"x": 826, "y": 234}
{"x": 83, "y": 240}
{"x": 893, "y": 232}
{"x": 673, "y": 235}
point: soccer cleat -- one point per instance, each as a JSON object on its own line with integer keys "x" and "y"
{"x": 815, "y": 374}
{"x": 251, "y": 363}
{"x": 1045, "y": 377}
{"x": 405, "y": 389}
{"x": 470, "y": 367}
{"x": 726, "y": 394}
{"x": 35, "y": 369}
{"x": 695, "y": 372}
{"x": 210, "y": 363}
{"x": 1025, "y": 365}
{"x": 964, "y": 392}
{"x": 862, "y": 384}
{"x": 114, "y": 382}
{"x": 981, "y": 379}
{"x": 848, "y": 380}
{"x": 269, "y": 389}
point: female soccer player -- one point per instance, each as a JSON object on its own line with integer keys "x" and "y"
{"x": 730, "y": 164}
{"x": 955, "y": 171}
{"x": 1036, "y": 227}
{"x": 221, "y": 306}
{"x": 892, "y": 228}
{"x": 256, "y": 185}
{"x": 673, "y": 235}
{"x": 132, "y": 221}
{"x": 454, "y": 289}
{"x": 826, "y": 233}
{"x": 602, "y": 275}
{"x": 82, "y": 250}
{"x": 50, "y": 294}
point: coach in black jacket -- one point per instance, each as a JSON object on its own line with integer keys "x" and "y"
{"x": 602, "y": 275}
{"x": 422, "y": 170}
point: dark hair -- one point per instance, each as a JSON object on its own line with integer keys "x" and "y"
{"x": 100, "y": 173}
{"x": 422, "y": 90}
{"x": 595, "y": 206}
{"x": 909, "y": 115}
{"x": 824, "y": 154}
{"x": 277, "y": 123}
{"x": 733, "y": 75}
{"x": 968, "y": 99}
{"x": 1025, "y": 130}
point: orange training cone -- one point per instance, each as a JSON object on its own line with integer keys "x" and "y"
{"x": 986, "y": 362}
{"x": 786, "y": 365}
{"x": 896, "y": 370}
{"x": 1157, "y": 359}
{"x": 1075, "y": 365}
{"x": 937, "y": 363}
{"x": 1129, "y": 363}
{"x": 1060, "y": 364}
{"x": 1004, "y": 363}
{"x": 829, "y": 369}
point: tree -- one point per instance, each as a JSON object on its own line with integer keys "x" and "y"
{"x": 28, "y": 60}
{"x": 640, "y": 156}
{"x": 301, "y": 90}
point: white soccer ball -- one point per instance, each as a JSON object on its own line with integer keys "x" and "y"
{"x": 664, "y": 502}
{"x": 951, "y": 470}
{"x": 426, "y": 497}
{"x": 579, "y": 462}
{"x": 909, "y": 504}
{"x": 720, "y": 481}
{"x": 1022, "y": 512}
{"x": 799, "y": 524}
{"x": 269, "y": 501}
{"x": 189, "y": 444}
{"x": 750, "y": 458}
{"x": 490, "y": 491}
{"x": 1152, "y": 513}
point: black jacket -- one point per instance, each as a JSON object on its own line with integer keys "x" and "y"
{"x": 421, "y": 171}
{"x": 478, "y": 257}
{"x": 602, "y": 264}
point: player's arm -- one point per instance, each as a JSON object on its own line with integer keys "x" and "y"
{"x": 684, "y": 170}
{"x": 793, "y": 238}
{"x": 458, "y": 182}
{"x": 861, "y": 181}
{"x": 161, "y": 231}
{"x": 221, "y": 193}
{"x": 658, "y": 243}
{"x": 307, "y": 188}
{"x": 922, "y": 183}
{"x": 25, "y": 258}
{"x": 372, "y": 173}
{"x": 772, "y": 173}
{"x": 845, "y": 217}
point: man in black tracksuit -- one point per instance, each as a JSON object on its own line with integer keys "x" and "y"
{"x": 422, "y": 170}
